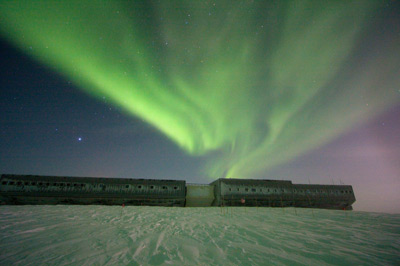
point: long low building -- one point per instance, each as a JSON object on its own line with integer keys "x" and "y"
{"x": 275, "y": 193}
{"x": 29, "y": 189}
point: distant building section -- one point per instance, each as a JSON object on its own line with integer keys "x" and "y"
{"x": 274, "y": 193}
{"x": 28, "y": 189}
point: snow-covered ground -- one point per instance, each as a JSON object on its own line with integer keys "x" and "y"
{"x": 104, "y": 235}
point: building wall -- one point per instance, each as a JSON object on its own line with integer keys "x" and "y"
{"x": 22, "y": 189}
{"x": 53, "y": 190}
{"x": 199, "y": 195}
{"x": 281, "y": 194}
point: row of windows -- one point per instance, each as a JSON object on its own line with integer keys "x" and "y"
{"x": 294, "y": 190}
{"x": 47, "y": 184}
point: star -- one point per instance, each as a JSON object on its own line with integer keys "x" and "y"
{"x": 79, "y": 139}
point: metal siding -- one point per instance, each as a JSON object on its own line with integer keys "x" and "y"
{"x": 107, "y": 191}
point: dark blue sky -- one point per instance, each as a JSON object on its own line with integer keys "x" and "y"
{"x": 50, "y": 127}
{"x": 44, "y": 115}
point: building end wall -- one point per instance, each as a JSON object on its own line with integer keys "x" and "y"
{"x": 199, "y": 195}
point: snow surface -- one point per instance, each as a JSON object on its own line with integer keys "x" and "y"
{"x": 115, "y": 235}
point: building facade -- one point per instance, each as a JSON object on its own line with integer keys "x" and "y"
{"x": 28, "y": 189}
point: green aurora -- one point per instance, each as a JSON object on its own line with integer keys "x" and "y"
{"x": 248, "y": 84}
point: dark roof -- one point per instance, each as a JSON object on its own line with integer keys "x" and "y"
{"x": 104, "y": 180}
{"x": 235, "y": 181}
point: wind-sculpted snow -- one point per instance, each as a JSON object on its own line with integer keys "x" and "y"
{"x": 102, "y": 235}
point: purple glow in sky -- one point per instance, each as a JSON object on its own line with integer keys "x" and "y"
{"x": 49, "y": 126}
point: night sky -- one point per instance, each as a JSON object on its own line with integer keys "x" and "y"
{"x": 306, "y": 91}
